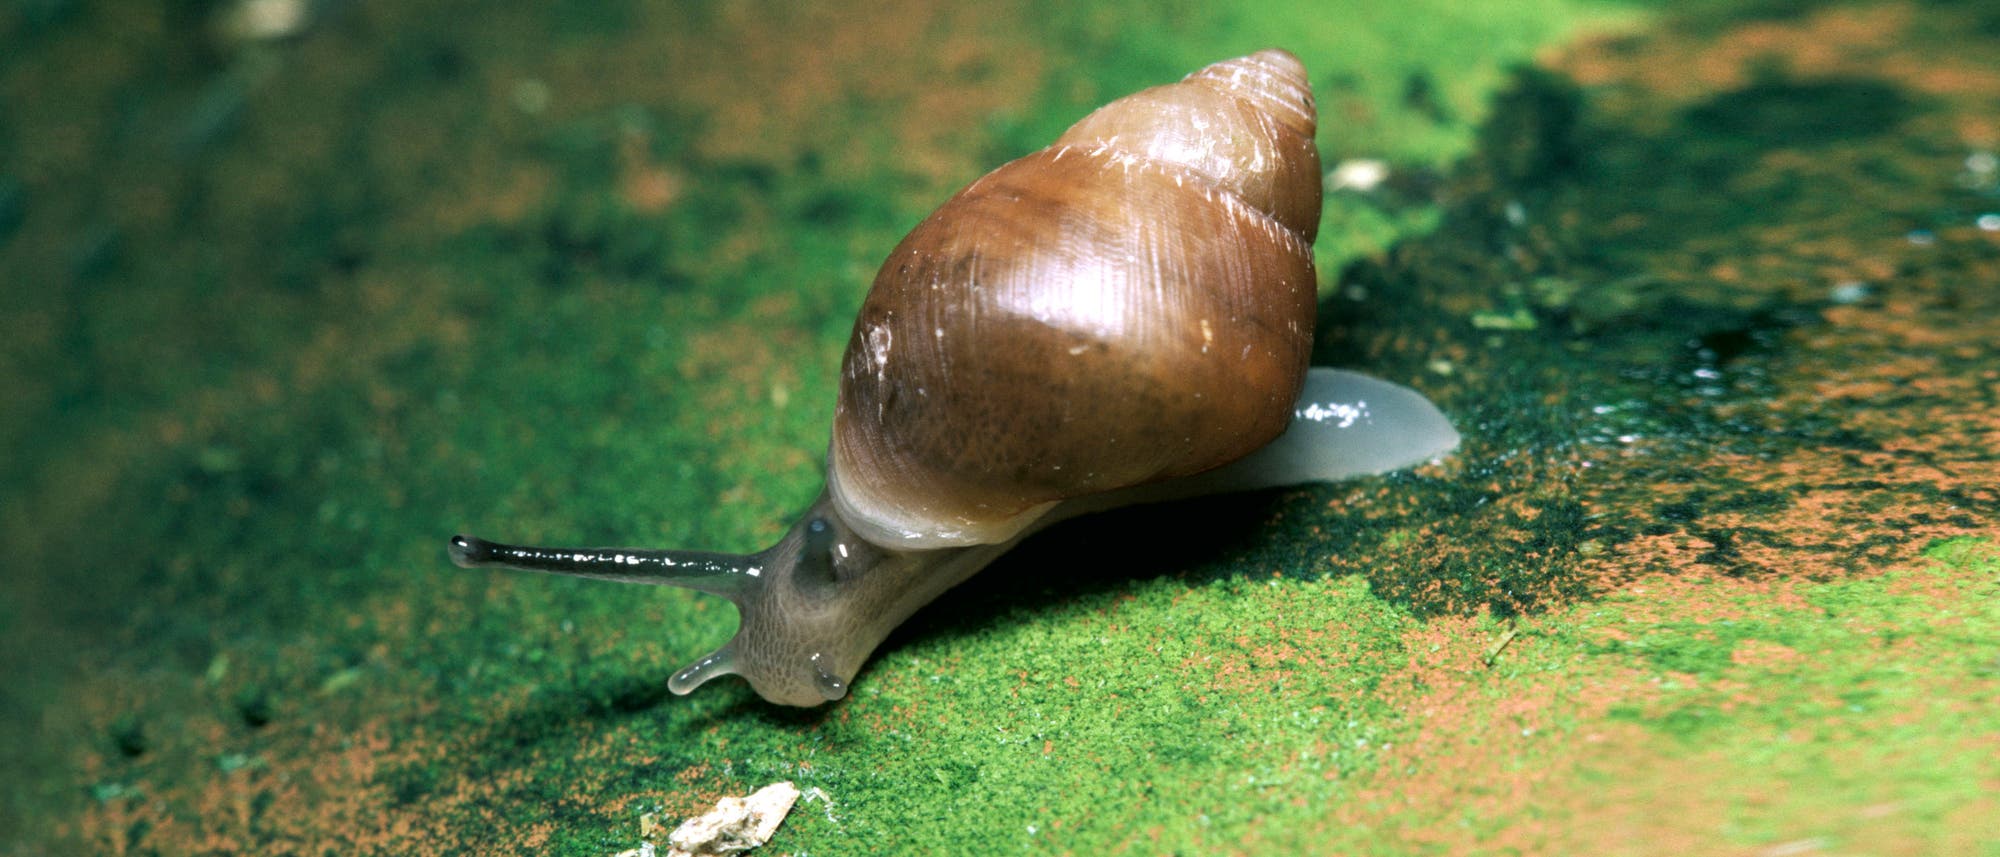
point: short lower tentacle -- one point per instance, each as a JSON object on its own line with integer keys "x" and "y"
{"x": 716, "y": 664}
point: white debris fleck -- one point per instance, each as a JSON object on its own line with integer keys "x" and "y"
{"x": 1851, "y": 292}
{"x": 266, "y": 20}
{"x": 815, "y": 794}
{"x": 1359, "y": 174}
{"x": 736, "y": 824}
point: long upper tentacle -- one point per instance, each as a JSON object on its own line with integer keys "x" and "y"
{"x": 728, "y": 575}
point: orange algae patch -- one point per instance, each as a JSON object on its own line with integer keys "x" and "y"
{"x": 764, "y": 83}
{"x": 1462, "y": 767}
{"x": 381, "y": 787}
{"x": 1565, "y": 756}
{"x": 1824, "y": 42}
{"x": 1894, "y": 394}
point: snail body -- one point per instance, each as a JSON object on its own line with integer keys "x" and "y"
{"x": 1122, "y": 317}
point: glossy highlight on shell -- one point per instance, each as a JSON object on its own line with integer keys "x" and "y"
{"x": 1122, "y": 317}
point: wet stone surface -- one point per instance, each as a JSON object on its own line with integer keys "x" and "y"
{"x": 1748, "y": 323}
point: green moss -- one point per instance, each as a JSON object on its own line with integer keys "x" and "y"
{"x": 258, "y": 382}
{"x": 1840, "y": 655}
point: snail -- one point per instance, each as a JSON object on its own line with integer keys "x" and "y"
{"x": 1122, "y": 317}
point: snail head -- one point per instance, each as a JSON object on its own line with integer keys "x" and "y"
{"x": 812, "y": 607}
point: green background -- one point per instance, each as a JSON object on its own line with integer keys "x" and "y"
{"x": 1715, "y": 571}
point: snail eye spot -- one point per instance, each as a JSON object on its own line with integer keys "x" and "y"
{"x": 816, "y": 553}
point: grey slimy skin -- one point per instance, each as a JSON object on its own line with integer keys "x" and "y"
{"x": 1123, "y": 317}
{"x": 815, "y": 605}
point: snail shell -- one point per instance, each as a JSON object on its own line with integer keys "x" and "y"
{"x": 1133, "y": 303}
{"x": 1124, "y": 316}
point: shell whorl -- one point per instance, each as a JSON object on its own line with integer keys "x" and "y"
{"x": 1133, "y": 303}
{"x": 1244, "y": 126}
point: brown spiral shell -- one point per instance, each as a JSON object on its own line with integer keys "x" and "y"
{"x": 1133, "y": 303}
